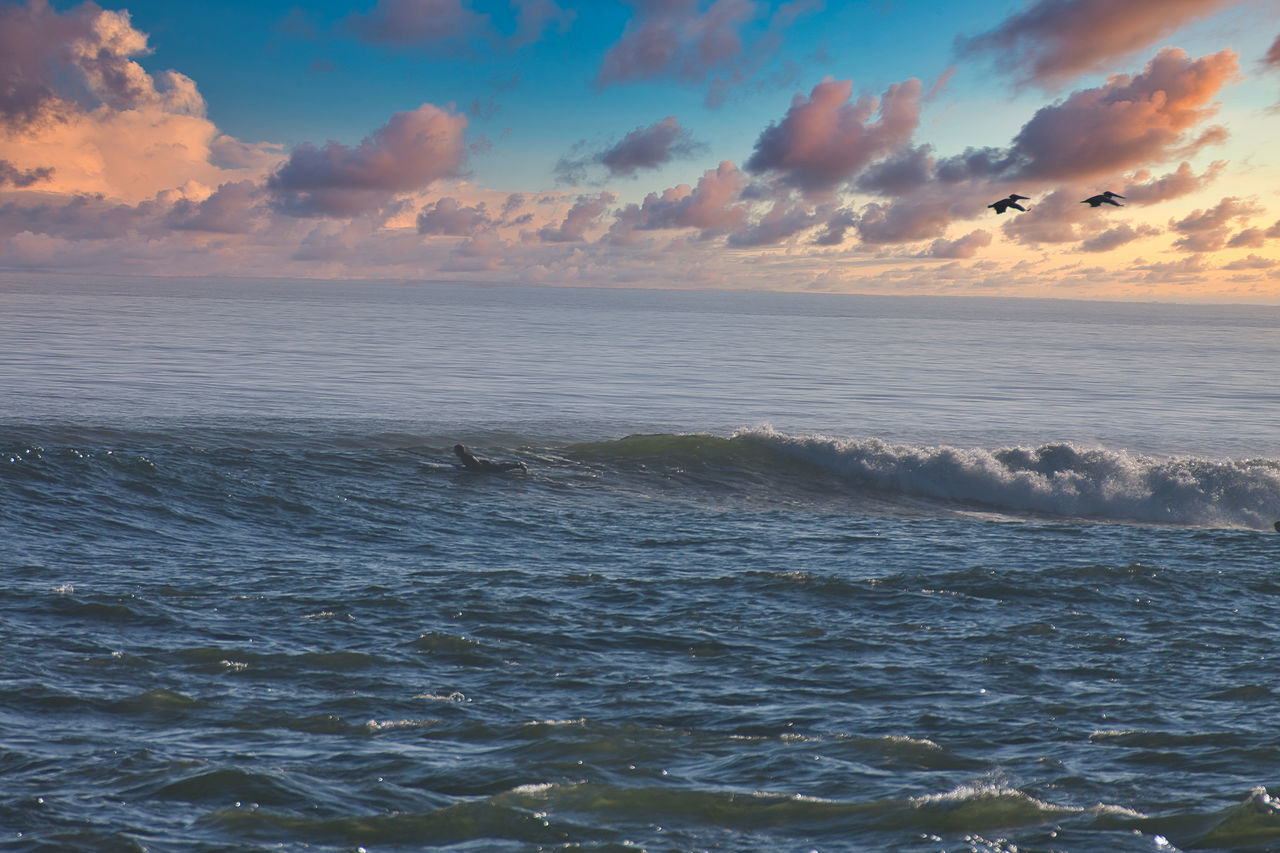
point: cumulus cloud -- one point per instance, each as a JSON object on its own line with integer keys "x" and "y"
{"x": 825, "y": 140}
{"x": 234, "y": 208}
{"x": 711, "y": 207}
{"x": 78, "y": 114}
{"x": 643, "y": 148}
{"x": 1128, "y": 122}
{"x": 409, "y": 152}
{"x": 1207, "y": 230}
{"x": 904, "y": 221}
{"x": 782, "y": 221}
{"x": 586, "y": 213}
{"x": 1053, "y": 41}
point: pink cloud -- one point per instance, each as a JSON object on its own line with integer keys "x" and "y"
{"x": 963, "y": 247}
{"x": 1114, "y": 238}
{"x": 1273, "y": 53}
{"x": 581, "y": 217}
{"x": 711, "y": 206}
{"x": 1054, "y": 41}
{"x": 1206, "y": 230}
{"x": 407, "y": 153}
{"x": 824, "y": 140}
{"x": 672, "y": 37}
{"x": 1143, "y": 189}
{"x": 447, "y": 217}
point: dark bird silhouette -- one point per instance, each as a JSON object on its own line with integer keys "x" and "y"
{"x": 1107, "y": 197}
{"x": 1005, "y": 203}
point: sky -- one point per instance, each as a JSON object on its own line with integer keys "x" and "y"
{"x": 799, "y": 145}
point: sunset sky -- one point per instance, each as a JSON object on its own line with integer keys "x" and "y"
{"x": 802, "y": 145}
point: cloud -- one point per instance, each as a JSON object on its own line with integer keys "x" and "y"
{"x": 643, "y": 148}
{"x": 783, "y": 220}
{"x": 78, "y": 116}
{"x": 409, "y": 152}
{"x": 1273, "y": 53}
{"x": 672, "y": 37}
{"x": 439, "y": 23}
{"x": 534, "y": 17}
{"x": 582, "y": 216}
{"x": 1114, "y": 238}
{"x": 407, "y": 23}
{"x": 904, "y": 221}
{"x": 235, "y": 208}
{"x": 1058, "y": 217}
{"x": 53, "y": 64}
{"x": 1206, "y": 230}
{"x": 1054, "y": 41}
{"x": 1142, "y": 189}
{"x": 1252, "y": 262}
{"x": 712, "y": 206}
{"x": 824, "y": 140}
{"x": 1128, "y": 121}
{"x": 963, "y": 247}
{"x": 12, "y": 176}
{"x": 908, "y": 169}
{"x": 446, "y": 216}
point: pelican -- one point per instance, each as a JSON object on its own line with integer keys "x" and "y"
{"x": 1107, "y": 197}
{"x": 1005, "y": 203}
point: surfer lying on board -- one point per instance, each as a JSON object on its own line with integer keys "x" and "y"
{"x": 473, "y": 463}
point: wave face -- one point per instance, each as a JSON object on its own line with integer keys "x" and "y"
{"x": 1060, "y": 479}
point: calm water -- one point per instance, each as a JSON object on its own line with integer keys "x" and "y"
{"x": 787, "y": 572}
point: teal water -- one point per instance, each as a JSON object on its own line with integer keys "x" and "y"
{"x": 784, "y": 573}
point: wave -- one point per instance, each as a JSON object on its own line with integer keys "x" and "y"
{"x": 1058, "y": 479}
{"x": 190, "y": 477}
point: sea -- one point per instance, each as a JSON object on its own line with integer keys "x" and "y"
{"x": 784, "y": 571}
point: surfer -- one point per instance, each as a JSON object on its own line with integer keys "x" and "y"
{"x": 1277, "y": 526}
{"x": 473, "y": 463}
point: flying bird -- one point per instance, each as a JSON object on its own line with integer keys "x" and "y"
{"x": 1107, "y": 197}
{"x": 1005, "y": 203}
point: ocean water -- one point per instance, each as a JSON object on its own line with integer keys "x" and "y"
{"x": 786, "y": 572}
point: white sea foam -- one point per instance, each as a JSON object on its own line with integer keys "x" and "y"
{"x": 1059, "y": 479}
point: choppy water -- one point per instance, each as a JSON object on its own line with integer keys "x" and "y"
{"x": 785, "y": 573}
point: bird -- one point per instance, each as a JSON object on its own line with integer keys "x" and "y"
{"x": 1107, "y": 197}
{"x": 1005, "y": 203}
